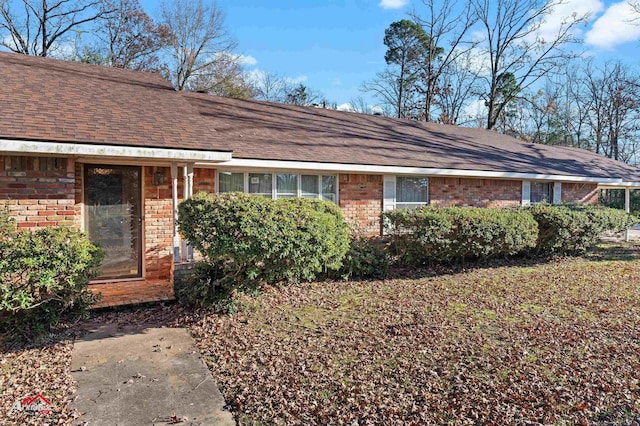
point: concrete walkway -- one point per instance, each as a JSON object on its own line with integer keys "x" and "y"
{"x": 144, "y": 376}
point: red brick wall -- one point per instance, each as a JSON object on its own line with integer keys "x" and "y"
{"x": 38, "y": 198}
{"x": 158, "y": 225}
{"x": 204, "y": 180}
{"x": 361, "y": 201}
{"x": 474, "y": 192}
{"x": 580, "y": 193}
{"x": 158, "y": 213}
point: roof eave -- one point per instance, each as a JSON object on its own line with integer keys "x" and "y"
{"x": 401, "y": 170}
{"x": 116, "y": 152}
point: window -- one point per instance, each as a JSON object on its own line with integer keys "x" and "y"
{"x": 329, "y": 188}
{"x": 261, "y": 184}
{"x": 541, "y": 192}
{"x": 411, "y": 192}
{"x": 286, "y": 185}
{"x": 230, "y": 182}
{"x": 280, "y": 185}
{"x": 310, "y": 186}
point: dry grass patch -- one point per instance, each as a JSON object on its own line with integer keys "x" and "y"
{"x": 555, "y": 344}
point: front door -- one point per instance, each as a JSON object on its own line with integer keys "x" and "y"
{"x": 114, "y": 219}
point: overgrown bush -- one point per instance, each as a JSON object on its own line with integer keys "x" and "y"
{"x": 44, "y": 275}
{"x": 365, "y": 259}
{"x": 253, "y": 239}
{"x": 453, "y": 234}
{"x": 573, "y": 229}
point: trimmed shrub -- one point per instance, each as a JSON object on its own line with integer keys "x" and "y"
{"x": 44, "y": 275}
{"x": 255, "y": 239}
{"x": 365, "y": 259}
{"x": 453, "y": 234}
{"x": 573, "y": 229}
{"x": 608, "y": 219}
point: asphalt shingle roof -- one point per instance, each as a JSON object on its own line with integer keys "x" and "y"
{"x": 53, "y": 100}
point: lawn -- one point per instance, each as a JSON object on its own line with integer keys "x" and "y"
{"x": 550, "y": 343}
{"x": 555, "y": 343}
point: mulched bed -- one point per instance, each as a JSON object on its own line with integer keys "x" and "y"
{"x": 546, "y": 344}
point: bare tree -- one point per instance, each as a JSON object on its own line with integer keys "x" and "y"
{"x": 447, "y": 24}
{"x": 270, "y": 87}
{"x": 613, "y": 110}
{"x": 39, "y": 27}
{"x": 458, "y": 84}
{"x": 127, "y": 38}
{"x": 224, "y": 77}
{"x": 386, "y": 88}
{"x": 514, "y": 45}
{"x": 199, "y": 36}
{"x": 359, "y": 104}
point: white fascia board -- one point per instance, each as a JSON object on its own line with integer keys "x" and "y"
{"x": 398, "y": 170}
{"x": 112, "y": 151}
{"x": 621, "y": 185}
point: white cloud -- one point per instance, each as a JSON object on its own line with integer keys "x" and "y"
{"x": 377, "y": 109}
{"x": 346, "y": 107}
{"x": 614, "y": 27}
{"x": 247, "y": 60}
{"x": 244, "y": 60}
{"x": 393, "y": 4}
{"x": 564, "y": 12}
{"x": 296, "y": 80}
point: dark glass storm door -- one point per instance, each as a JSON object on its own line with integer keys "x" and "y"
{"x": 114, "y": 218}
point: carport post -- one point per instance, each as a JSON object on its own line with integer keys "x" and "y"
{"x": 627, "y": 207}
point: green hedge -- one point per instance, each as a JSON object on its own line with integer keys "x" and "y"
{"x": 444, "y": 235}
{"x": 253, "y": 239}
{"x": 573, "y": 229}
{"x": 44, "y": 275}
{"x": 365, "y": 259}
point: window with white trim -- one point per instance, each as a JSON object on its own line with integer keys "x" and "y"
{"x": 280, "y": 185}
{"x": 310, "y": 186}
{"x": 261, "y": 184}
{"x": 411, "y": 192}
{"x": 541, "y": 192}
{"x": 286, "y": 185}
{"x": 230, "y": 182}
{"x": 329, "y": 188}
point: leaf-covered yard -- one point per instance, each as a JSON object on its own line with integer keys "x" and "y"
{"x": 557, "y": 343}
{"x": 554, "y": 343}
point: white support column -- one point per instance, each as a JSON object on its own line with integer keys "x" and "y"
{"x": 188, "y": 184}
{"x": 557, "y": 193}
{"x": 526, "y": 193}
{"x": 627, "y": 207}
{"x": 174, "y": 194}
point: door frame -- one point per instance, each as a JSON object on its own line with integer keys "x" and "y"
{"x": 141, "y": 226}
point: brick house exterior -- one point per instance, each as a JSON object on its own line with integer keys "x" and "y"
{"x": 116, "y": 155}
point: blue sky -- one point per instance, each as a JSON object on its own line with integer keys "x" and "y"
{"x": 334, "y": 45}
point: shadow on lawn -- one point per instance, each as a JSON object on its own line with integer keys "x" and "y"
{"x": 603, "y": 251}
{"x": 622, "y": 251}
